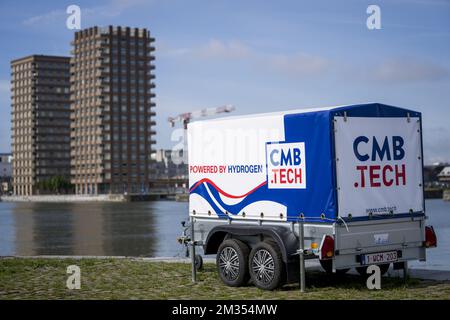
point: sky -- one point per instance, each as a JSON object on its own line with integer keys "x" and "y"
{"x": 262, "y": 56}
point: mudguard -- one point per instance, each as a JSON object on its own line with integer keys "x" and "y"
{"x": 284, "y": 237}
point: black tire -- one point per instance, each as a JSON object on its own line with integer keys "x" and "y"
{"x": 327, "y": 265}
{"x": 232, "y": 262}
{"x": 198, "y": 262}
{"x": 383, "y": 269}
{"x": 266, "y": 266}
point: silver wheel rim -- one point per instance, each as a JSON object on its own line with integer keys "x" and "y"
{"x": 263, "y": 266}
{"x": 229, "y": 263}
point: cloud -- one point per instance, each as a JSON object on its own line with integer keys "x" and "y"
{"x": 45, "y": 18}
{"x": 214, "y": 49}
{"x": 173, "y": 52}
{"x": 298, "y": 64}
{"x": 292, "y": 64}
{"x": 113, "y": 9}
{"x": 408, "y": 70}
{"x": 228, "y": 50}
{"x": 436, "y": 144}
{"x": 426, "y": 2}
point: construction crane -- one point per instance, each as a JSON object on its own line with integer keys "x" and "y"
{"x": 185, "y": 118}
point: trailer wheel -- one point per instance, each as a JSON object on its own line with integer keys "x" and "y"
{"x": 327, "y": 265}
{"x": 383, "y": 269}
{"x": 266, "y": 266}
{"x": 232, "y": 261}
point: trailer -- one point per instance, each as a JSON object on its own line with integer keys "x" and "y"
{"x": 340, "y": 184}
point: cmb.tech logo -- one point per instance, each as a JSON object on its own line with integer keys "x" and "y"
{"x": 286, "y": 165}
{"x": 382, "y": 164}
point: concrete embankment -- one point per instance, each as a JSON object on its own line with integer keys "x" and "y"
{"x": 66, "y": 198}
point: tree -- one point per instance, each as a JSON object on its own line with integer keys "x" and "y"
{"x": 56, "y": 184}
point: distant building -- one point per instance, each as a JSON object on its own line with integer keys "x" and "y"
{"x": 40, "y": 121}
{"x": 5, "y": 172}
{"x": 112, "y": 110}
{"x": 5, "y": 165}
{"x": 444, "y": 175}
{"x": 430, "y": 174}
{"x": 168, "y": 164}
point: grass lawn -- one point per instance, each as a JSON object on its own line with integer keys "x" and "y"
{"x": 137, "y": 279}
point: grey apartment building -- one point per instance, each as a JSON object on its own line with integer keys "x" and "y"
{"x": 40, "y": 121}
{"x": 112, "y": 110}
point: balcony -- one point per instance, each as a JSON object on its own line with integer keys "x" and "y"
{"x": 101, "y": 73}
{"x": 100, "y": 82}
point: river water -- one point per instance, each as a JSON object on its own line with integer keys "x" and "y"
{"x": 94, "y": 228}
{"x": 146, "y": 229}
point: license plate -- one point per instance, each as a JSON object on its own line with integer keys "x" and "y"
{"x": 378, "y": 258}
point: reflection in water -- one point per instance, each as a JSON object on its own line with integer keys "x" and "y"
{"x": 116, "y": 229}
{"x": 135, "y": 229}
{"x": 52, "y": 231}
{"x": 7, "y": 229}
{"x": 129, "y": 230}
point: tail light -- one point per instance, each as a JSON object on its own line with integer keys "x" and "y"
{"x": 327, "y": 248}
{"x": 430, "y": 237}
